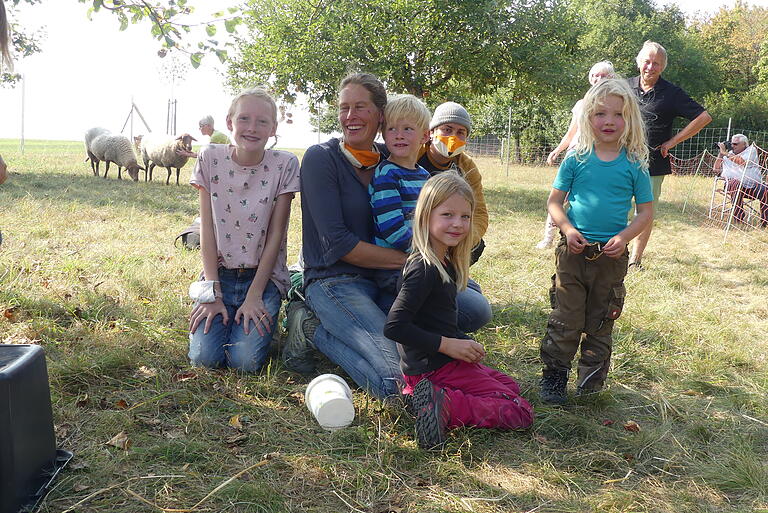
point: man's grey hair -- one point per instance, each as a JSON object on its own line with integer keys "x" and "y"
{"x": 651, "y": 46}
{"x": 207, "y": 120}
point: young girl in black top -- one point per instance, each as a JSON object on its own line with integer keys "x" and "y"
{"x": 441, "y": 365}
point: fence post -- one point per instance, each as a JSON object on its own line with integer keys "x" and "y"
{"x": 509, "y": 131}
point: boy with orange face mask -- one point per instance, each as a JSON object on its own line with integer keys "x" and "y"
{"x": 449, "y": 129}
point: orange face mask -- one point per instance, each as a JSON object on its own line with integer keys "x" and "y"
{"x": 449, "y": 146}
{"x": 360, "y": 158}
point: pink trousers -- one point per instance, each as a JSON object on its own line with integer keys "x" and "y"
{"x": 478, "y": 396}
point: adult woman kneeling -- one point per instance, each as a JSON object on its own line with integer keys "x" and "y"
{"x": 337, "y": 225}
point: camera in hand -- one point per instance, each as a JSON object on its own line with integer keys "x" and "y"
{"x": 727, "y": 144}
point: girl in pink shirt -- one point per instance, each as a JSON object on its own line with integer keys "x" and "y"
{"x": 245, "y": 200}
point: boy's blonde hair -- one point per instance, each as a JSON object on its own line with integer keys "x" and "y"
{"x": 407, "y": 107}
{"x": 435, "y": 191}
{"x": 633, "y": 138}
{"x": 256, "y": 92}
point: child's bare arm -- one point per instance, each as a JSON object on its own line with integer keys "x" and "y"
{"x": 462, "y": 349}
{"x": 208, "y": 311}
{"x": 614, "y": 248}
{"x": 576, "y": 240}
{"x": 253, "y": 307}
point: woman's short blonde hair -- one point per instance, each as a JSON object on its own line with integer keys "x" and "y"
{"x": 633, "y": 138}
{"x": 407, "y": 107}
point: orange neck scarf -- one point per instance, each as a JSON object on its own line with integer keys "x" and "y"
{"x": 360, "y": 158}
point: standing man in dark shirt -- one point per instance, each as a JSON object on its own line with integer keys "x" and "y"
{"x": 661, "y": 102}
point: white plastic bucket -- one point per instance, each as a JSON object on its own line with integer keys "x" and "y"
{"x": 329, "y": 398}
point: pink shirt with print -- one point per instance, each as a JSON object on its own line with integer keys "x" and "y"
{"x": 242, "y": 200}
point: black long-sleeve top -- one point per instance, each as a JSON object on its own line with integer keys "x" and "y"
{"x": 423, "y": 312}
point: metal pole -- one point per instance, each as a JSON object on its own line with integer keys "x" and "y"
{"x": 509, "y": 134}
{"x": 23, "y": 98}
{"x": 728, "y": 134}
{"x": 131, "y": 118}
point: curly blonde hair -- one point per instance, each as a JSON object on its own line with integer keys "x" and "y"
{"x": 632, "y": 140}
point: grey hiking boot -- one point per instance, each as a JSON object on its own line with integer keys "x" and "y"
{"x": 298, "y": 349}
{"x": 431, "y": 415}
{"x": 553, "y": 386}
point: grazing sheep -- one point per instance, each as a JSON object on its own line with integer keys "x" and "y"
{"x": 160, "y": 150}
{"x": 90, "y": 135}
{"x": 113, "y": 148}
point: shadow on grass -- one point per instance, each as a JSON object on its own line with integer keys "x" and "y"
{"x": 149, "y": 197}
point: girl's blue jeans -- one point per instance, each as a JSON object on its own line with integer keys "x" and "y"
{"x": 227, "y": 345}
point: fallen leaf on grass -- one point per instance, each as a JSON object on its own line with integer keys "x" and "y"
{"x": 173, "y": 434}
{"x": 607, "y": 422}
{"x": 184, "y": 375}
{"x": 80, "y": 488}
{"x": 147, "y": 420}
{"x": 692, "y": 393}
{"x": 145, "y": 372}
{"x": 234, "y": 421}
{"x": 120, "y": 440}
{"x": 632, "y": 426}
{"x": 541, "y": 439}
{"x": 121, "y": 404}
{"x": 145, "y": 300}
{"x": 82, "y": 402}
{"x": 10, "y": 313}
{"x": 61, "y": 431}
{"x": 238, "y": 439}
{"x": 298, "y": 396}
{"x": 78, "y": 465}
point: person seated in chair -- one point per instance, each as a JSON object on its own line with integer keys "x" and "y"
{"x": 742, "y": 174}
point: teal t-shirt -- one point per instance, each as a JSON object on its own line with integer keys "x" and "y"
{"x": 600, "y": 193}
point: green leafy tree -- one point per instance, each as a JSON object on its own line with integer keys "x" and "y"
{"x": 429, "y": 48}
{"x": 165, "y": 26}
{"x": 732, "y": 40}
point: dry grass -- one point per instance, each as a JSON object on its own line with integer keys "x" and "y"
{"x": 88, "y": 270}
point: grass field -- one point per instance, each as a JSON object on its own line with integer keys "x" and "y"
{"x": 89, "y": 271}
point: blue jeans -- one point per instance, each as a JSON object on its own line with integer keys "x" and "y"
{"x": 227, "y": 345}
{"x": 352, "y": 312}
{"x": 474, "y": 310}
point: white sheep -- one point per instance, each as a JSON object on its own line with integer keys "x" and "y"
{"x": 90, "y": 135}
{"x": 161, "y": 150}
{"x": 118, "y": 149}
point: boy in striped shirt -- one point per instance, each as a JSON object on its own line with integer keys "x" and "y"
{"x": 398, "y": 179}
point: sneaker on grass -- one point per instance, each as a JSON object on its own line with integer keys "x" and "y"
{"x": 431, "y": 415}
{"x": 553, "y": 386}
{"x": 298, "y": 350}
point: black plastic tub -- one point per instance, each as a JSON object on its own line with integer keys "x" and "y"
{"x": 29, "y": 460}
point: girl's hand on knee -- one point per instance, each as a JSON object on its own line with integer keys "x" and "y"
{"x": 207, "y": 311}
{"x": 253, "y": 309}
{"x": 462, "y": 349}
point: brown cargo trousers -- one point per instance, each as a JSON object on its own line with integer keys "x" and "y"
{"x": 587, "y": 296}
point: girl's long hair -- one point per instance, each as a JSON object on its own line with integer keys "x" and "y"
{"x": 5, "y": 36}
{"x": 438, "y": 189}
{"x": 632, "y": 140}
